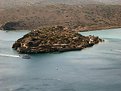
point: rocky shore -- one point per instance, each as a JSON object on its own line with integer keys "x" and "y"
{"x": 21, "y": 26}
{"x": 53, "y": 39}
{"x": 95, "y": 28}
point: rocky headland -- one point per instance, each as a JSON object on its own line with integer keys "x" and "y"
{"x": 53, "y": 39}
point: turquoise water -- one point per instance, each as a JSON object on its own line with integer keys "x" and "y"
{"x": 93, "y": 69}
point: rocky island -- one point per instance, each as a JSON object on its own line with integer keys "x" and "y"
{"x": 53, "y": 39}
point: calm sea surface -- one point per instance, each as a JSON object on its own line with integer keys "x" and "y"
{"x": 93, "y": 69}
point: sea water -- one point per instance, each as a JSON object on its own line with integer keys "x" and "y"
{"x": 97, "y": 68}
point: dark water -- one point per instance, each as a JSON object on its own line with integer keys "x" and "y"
{"x": 93, "y": 69}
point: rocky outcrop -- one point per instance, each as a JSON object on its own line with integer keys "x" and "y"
{"x": 14, "y": 25}
{"x": 54, "y": 39}
{"x": 10, "y": 26}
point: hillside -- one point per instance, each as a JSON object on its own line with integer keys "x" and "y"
{"x": 112, "y": 2}
{"x": 16, "y": 3}
{"x": 84, "y": 17}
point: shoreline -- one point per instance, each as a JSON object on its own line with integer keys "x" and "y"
{"x": 95, "y": 28}
{"x": 79, "y": 29}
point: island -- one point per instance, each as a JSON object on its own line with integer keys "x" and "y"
{"x": 53, "y": 39}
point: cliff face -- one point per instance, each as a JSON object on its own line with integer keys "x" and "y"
{"x": 53, "y": 39}
{"x": 73, "y": 16}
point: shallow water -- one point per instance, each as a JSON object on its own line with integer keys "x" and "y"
{"x": 93, "y": 69}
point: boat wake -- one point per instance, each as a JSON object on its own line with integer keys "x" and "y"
{"x": 7, "y": 55}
